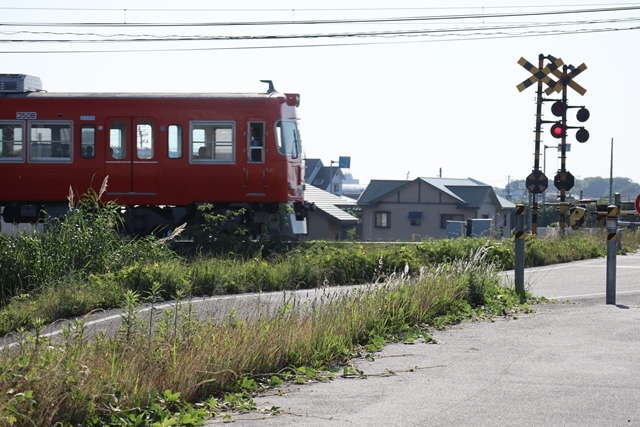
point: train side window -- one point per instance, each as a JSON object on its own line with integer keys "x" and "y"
{"x": 144, "y": 136}
{"x": 11, "y": 141}
{"x": 50, "y": 141}
{"x": 256, "y": 142}
{"x": 87, "y": 141}
{"x": 118, "y": 140}
{"x": 174, "y": 142}
{"x": 212, "y": 142}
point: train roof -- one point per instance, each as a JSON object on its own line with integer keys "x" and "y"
{"x": 26, "y": 86}
{"x": 43, "y": 94}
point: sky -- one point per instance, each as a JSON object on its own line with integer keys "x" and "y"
{"x": 441, "y": 101}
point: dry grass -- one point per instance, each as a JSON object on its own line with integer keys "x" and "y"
{"x": 76, "y": 381}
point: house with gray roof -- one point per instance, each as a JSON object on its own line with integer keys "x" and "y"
{"x": 327, "y": 178}
{"x": 413, "y": 210}
{"x": 330, "y": 219}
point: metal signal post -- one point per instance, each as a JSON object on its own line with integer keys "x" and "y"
{"x": 537, "y": 182}
{"x": 563, "y": 157}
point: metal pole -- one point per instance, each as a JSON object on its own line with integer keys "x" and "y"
{"x": 617, "y": 200}
{"x": 611, "y": 175}
{"x": 563, "y": 156}
{"x": 612, "y": 247}
{"x": 519, "y": 267}
{"x": 536, "y": 157}
{"x": 331, "y": 176}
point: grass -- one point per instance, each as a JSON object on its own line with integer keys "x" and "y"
{"x": 171, "y": 368}
{"x": 120, "y": 380}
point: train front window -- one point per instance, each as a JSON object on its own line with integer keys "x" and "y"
{"x": 50, "y": 141}
{"x": 288, "y": 136}
{"x": 11, "y": 141}
{"x": 212, "y": 142}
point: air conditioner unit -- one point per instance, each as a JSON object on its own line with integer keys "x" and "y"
{"x": 16, "y": 83}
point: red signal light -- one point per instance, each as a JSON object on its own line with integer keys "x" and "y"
{"x": 557, "y": 130}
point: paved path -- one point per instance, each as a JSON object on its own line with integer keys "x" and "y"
{"x": 572, "y": 364}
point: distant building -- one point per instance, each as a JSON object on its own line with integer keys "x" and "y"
{"x": 330, "y": 220}
{"x": 329, "y": 179}
{"x": 413, "y": 210}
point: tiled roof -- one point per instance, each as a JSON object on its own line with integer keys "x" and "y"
{"x": 378, "y": 188}
{"x": 330, "y": 204}
{"x": 310, "y": 165}
{"x": 467, "y": 191}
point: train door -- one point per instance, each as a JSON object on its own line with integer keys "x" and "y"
{"x": 256, "y": 170}
{"x": 131, "y": 158}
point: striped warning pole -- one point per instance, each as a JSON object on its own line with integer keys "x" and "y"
{"x": 612, "y": 247}
{"x": 519, "y": 267}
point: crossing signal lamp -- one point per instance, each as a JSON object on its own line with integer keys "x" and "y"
{"x": 559, "y": 129}
{"x": 582, "y": 135}
{"x": 559, "y": 109}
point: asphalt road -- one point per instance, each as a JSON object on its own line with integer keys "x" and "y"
{"x": 571, "y": 363}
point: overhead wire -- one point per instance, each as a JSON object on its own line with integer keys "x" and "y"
{"x": 395, "y": 33}
{"x": 481, "y": 31}
{"x": 324, "y": 22}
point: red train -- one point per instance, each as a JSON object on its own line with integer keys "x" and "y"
{"x": 164, "y": 154}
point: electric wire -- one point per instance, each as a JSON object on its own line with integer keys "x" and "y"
{"x": 362, "y": 34}
{"x": 473, "y": 31}
{"x": 324, "y": 22}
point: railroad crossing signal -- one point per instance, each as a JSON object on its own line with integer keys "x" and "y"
{"x": 566, "y": 80}
{"x": 559, "y": 129}
{"x": 537, "y": 182}
{"x": 564, "y": 181}
{"x": 539, "y": 75}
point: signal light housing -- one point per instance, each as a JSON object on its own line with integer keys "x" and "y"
{"x": 559, "y": 108}
{"x": 558, "y": 130}
{"x": 582, "y": 135}
{"x": 582, "y": 115}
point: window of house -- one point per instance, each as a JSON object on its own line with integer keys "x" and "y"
{"x": 50, "y": 141}
{"x": 11, "y": 141}
{"x": 212, "y": 142}
{"x": 87, "y": 141}
{"x": 449, "y": 217}
{"x": 383, "y": 219}
{"x": 415, "y": 218}
{"x": 174, "y": 142}
{"x": 336, "y": 188}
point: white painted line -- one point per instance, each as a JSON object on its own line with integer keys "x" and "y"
{"x": 592, "y": 295}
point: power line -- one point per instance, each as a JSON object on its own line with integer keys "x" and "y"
{"x": 358, "y": 9}
{"x": 396, "y": 33}
{"x": 324, "y": 22}
{"x": 479, "y": 36}
{"x": 476, "y": 32}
